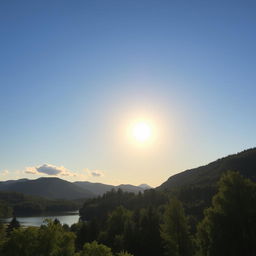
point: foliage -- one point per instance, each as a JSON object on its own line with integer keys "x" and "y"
{"x": 85, "y": 232}
{"x": 54, "y": 240}
{"x": 2, "y": 234}
{"x": 229, "y": 226}
{"x": 146, "y": 228}
{"x": 95, "y": 249}
{"x": 14, "y": 224}
{"x": 101, "y": 206}
{"x": 5, "y": 210}
{"x": 123, "y": 253}
{"x": 21, "y": 242}
{"x": 174, "y": 230}
{"x": 20, "y": 204}
{"x": 48, "y": 240}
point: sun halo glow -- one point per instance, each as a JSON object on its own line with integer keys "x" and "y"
{"x": 141, "y": 131}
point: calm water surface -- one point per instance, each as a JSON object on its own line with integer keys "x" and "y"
{"x": 36, "y": 221}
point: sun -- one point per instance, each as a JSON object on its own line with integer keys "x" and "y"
{"x": 141, "y": 131}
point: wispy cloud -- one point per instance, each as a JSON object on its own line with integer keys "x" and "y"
{"x": 4, "y": 173}
{"x": 31, "y": 170}
{"x": 94, "y": 173}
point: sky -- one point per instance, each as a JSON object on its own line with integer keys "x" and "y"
{"x": 74, "y": 75}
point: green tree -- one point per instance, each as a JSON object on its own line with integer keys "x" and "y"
{"x": 95, "y": 249}
{"x": 53, "y": 240}
{"x": 174, "y": 230}
{"x": 5, "y": 210}
{"x": 21, "y": 242}
{"x": 115, "y": 228}
{"x": 229, "y": 225}
{"x": 149, "y": 230}
{"x": 14, "y": 224}
{"x": 2, "y": 236}
{"x": 123, "y": 254}
{"x": 86, "y": 232}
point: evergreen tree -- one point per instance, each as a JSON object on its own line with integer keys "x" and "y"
{"x": 174, "y": 230}
{"x": 149, "y": 230}
{"x": 229, "y": 225}
{"x": 14, "y": 224}
{"x": 115, "y": 228}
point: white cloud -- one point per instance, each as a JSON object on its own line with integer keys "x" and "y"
{"x": 51, "y": 170}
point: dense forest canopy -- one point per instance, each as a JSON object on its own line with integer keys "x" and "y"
{"x": 12, "y": 203}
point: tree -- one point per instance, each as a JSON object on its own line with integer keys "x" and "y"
{"x": 115, "y": 228}
{"x": 95, "y": 249}
{"x": 174, "y": 230}
{"x": 5, "y": 210}
{"x": 53, "y": 240}
{"x": 21, "y": 242}
{"x": 229, "y": 225}
{"x": 14, "y": 224}
{"x": 123, "y": 254}
{"x": 2, "y": 236}
{"x": 149, "y": 230}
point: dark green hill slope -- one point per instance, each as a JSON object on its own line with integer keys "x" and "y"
{"x": 19, "y": 204}
{"x": 243, "y": 162}
{"x": 196, "y": 187}
{"x": 51, "y": 188}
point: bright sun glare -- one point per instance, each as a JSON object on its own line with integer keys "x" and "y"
{"x": 141, "y": 131}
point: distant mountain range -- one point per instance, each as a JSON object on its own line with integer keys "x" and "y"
{"x": 208, "y": 175}
{"x": 99, "y": 188}
{"x": 204, "y": 176}
{"x": 55, "y": 188}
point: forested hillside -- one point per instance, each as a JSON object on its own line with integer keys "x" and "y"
{"x": 51, "y": 188}
{"x": 196, "y": 187}
{"x": 13, "y": 204}
{"x": 243, "y": 162}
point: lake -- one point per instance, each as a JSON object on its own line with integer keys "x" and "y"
{"x": 36, "y": 221}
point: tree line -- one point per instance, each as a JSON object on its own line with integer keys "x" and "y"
{"x": 14, "y": 203}
{"x": 148, "y": 224}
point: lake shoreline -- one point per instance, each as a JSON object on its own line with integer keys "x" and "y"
{"x": 68, "y": 218}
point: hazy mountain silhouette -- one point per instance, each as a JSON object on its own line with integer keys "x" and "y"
{"x": 144, "y": 186}
{"x": 95, "y": 188}
{"x": 130, "y": 188}
{"x": 243, "y": 162}
{"x": 100, "y": 188}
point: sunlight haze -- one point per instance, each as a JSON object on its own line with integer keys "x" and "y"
{"x": 124, "y": 91}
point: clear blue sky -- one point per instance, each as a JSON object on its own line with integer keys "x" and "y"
{"x": 73, "y": 74}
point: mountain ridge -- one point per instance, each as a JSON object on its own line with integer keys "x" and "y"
{"x": 47, "y": 187}
{"x": 243, "y": 162}
{"x": 56, "y": 188}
